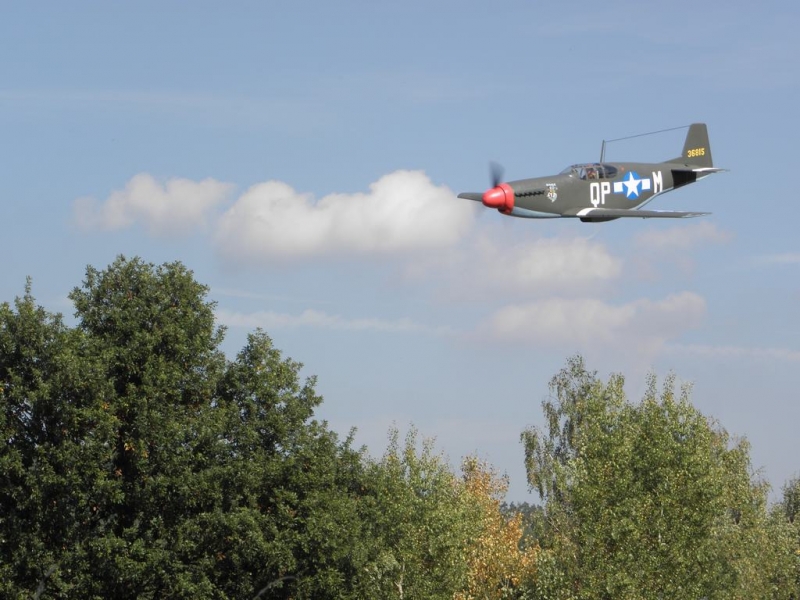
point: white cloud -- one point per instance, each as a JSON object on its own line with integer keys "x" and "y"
{"x": 402, "y": 212}
{"x": 787, "y": 258}
{"x": 546, "y": 263}
{"x": 178, "y": 206}
{"x": 246, "y": 294}
{"x": 736, "y": 352}
{"x": 673, "y": 247}
{"x": 589, "y": 323}
{"x": 321, "y": 320}
{"x": 681, "y": 237}
{"x": 485, "y": 264}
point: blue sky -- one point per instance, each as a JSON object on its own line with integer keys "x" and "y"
{"x": 303, "y": 160}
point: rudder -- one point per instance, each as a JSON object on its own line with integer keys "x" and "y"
{"x": 696, "y": 148}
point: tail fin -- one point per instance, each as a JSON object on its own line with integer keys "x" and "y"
{"x": 697, "y": 148}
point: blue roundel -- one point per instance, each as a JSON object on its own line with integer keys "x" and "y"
{"x": 632, "y": 185}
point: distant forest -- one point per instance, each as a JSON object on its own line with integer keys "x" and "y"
{"x": 138, "y": 461}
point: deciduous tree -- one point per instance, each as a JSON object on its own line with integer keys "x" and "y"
{"x": 138, "y": 462}
{"x": 646, "y": 500}
{"x": 501, "y": 565}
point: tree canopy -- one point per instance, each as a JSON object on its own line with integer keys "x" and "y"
{"x": 138, "y": 461}
{"x": 648, "y": 500}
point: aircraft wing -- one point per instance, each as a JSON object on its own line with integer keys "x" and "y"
{"x": 471, "y": 196}
{"x": 615, "y": 213}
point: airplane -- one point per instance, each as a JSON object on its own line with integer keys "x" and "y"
{"x": 603, "y": 191}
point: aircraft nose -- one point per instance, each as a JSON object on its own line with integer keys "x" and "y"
{"x": 500, "y": 197}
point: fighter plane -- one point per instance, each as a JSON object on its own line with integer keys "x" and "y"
{"x": 603, "y": 191}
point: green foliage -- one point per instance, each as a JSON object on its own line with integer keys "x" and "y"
{"x": 55, "y": 459}
{"x": 422, "y": 520}
{"x": 139, "y": 463}
{"x": 647, "y": 500}
{"x": 791, "y": 499}
{"x": 789, "y": 510}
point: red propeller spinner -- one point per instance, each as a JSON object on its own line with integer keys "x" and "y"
{"x": 501, "y": 195}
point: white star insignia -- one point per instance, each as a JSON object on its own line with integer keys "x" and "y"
{"x": 632, "y": 185}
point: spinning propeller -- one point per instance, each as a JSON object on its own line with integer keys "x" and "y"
{"x": 496, "y": 172}
{"x": 501, "y": 195}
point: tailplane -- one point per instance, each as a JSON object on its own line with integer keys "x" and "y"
{"x": 697, "y": 148}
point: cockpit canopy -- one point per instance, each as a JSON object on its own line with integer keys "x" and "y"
{"x": 591, "y": 171}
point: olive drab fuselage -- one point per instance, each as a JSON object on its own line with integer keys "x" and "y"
{"x": 604, "y": 191}
{"x": 593, "y": 185}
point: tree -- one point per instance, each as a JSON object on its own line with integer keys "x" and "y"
{"x": 55, "y": 460}
{"x": 645, "y": 500}
{"x": 787, "y": 511}
{"x": 138, "y": 462}
{"x": 422, "y": 520}
{"x": 791, "y": 499}
{"x": 532, "y": 520}
{"x": 436, "y": 534}
{"x": 501, "y": 565}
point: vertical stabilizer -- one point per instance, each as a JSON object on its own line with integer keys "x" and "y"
{"x": 696, "y": 148}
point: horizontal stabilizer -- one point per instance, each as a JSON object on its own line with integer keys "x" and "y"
{"x": 701, "y": 170}
{"x": 708, "y": 170}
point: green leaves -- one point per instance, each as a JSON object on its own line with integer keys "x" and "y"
{"x": 137, "y": 461}
{"x": 645, "y": 500}
{"x": 422, "y": 518}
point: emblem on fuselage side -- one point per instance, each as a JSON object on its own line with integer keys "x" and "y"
{"x": 552, "y": 191}
{"x": 632, "y": 186}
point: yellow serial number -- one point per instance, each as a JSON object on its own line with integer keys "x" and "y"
{"x": 695, "y": 152}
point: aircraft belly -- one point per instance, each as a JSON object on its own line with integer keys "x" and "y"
{"x": 525, "y": 213}
{"x": 531, "y": 208}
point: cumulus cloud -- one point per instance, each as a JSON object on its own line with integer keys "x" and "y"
{"x": 681, "y": 237}
{"x": 673, "y": 247}
{"x": 177, "y": 206}
{"x": 588, "y": 323}
{"x": 545, "y": 264}
{"x": 402, "y": 211}
{"x": 786, "y": 258}
{"x": 485, "y": 264}
{"x": 321, "y": 320}
{"x": 736, "y": 352}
